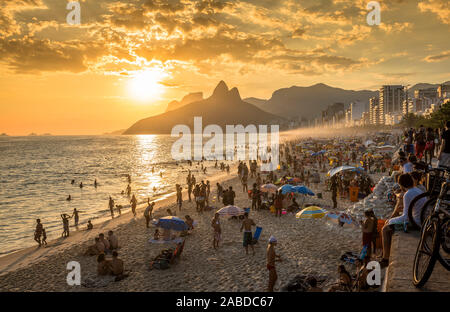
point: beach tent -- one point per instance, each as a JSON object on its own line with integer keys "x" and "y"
{"x": 172, "y": 223}
{"x": 312, "y": 212}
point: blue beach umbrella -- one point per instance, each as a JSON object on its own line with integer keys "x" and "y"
{"x": 301, "y": 189}
{"x": 172, "y": 223}
{"x": 287, "y": 188}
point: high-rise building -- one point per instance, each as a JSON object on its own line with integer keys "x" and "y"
{"x": 391, "y": 100}
{"x": 442, "y": 89}
{"x": 373, "y": 111}
{"x": 429, "y": 93}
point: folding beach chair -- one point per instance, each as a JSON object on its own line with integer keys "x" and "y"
{"x": 257, "y": 234}
{"x": 352, "y": 258}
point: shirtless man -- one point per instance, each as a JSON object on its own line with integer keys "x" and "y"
{"x": 38, "y": 232}
{"x": 271, "y": 258}
{"x": 248, "y": 237}
{"x": 116, "y": 265}
{"x": 105, "y": 242}
{"x": 133, "y": 205}
{"x": 113, "y": 241}
{"x": 215, "y": 223}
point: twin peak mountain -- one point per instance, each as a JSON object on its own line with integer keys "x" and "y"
{"x": 223, "y": 107}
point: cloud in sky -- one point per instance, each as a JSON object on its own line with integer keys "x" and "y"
{"x": 308, "y": 38}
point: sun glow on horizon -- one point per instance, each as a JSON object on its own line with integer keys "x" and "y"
{"x": 146, "y": 85}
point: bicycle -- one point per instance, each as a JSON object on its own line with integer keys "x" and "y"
{"x": 434, "y": 241}
{"x": 435, "y": 177}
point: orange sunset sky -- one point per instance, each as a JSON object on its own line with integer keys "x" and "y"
{"x": 128, "y": 59}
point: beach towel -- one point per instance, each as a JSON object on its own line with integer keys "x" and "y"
{"x": 257, "y": 234}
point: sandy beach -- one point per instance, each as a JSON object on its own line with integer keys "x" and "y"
{"x": 307, "y": 247}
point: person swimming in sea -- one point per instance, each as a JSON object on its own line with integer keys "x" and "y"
{"x": 95, "y": 183}
{"x": 81, "y": 185}
{"x": 69, "y": 198}
{"x": 73, "y": 182}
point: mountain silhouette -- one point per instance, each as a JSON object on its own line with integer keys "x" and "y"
{"x": 223, "y": 107}
{"x": 190, "y": 98}
{"x": 308, "y": 102}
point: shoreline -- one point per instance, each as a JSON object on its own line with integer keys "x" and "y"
{"x": 13, "y": 260}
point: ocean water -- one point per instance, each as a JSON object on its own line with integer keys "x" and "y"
{"x": 36, "y": 175}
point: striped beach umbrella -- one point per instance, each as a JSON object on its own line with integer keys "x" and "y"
{"x": 312, "y": 212}
{"x": 231, "y": 211}
{"x": 269, "y": 188}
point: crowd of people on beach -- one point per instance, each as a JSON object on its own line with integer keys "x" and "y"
{"x": 301, "y": 163}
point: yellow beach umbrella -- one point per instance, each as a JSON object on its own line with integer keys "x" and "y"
{"x": 312, "y": 212}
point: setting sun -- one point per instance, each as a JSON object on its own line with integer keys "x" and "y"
{"x": 145, "y": 85}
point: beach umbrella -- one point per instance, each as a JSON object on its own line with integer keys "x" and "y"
{"x": 287, "y": 188}
{"x": 230, "y": 211}
{"x": 333, "y": 171}
{"x": 301, "y": 189}
{"x": 369, "y": 142}
{"x": 312, "y": 212}
{"x": 269, "y": 188}
{"x": 172, "y": 223}
{"x": 341, "y": 217}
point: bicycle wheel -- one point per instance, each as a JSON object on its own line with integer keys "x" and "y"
{"x": 427, "y": 252}
{"x": 427, "y": 209}
{"x": 444, "y": 251}
{"x": 411, "y": 208}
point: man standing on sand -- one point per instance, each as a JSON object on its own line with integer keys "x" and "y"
{"x": 111, "y": 206}
{"x": 271, "y": 258}
{"x": 133, "y": 205}
{"x": 215, "y": 223}
{"x": 148, "y": 212}
{"x": 248, "y": 236}
{"x": 38, "y": 231}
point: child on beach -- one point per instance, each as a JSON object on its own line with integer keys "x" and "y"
{"x": 89, "y": 225}
{"x": 44, "y": 237}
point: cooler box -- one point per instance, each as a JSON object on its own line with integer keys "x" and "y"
{"x": 353, "y": 190}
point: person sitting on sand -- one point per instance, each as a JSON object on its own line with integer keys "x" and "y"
{"x": 96, "y": 249}
{"x": 345, "y": 280}
{"x": 38, "y": 232}
{"x": 271, "y": 258}
{"x": 156, "y": 235}
{"x": 313, "y": 283}
{"x": 170, "y": 213}
{"x": 189, "y": 222}
{"x": 248, "y": 237}
{"x": 105, "y": 242}
{"x": 89, "y": 225}
{"x": 116, "y": 265}
{"x": 113, "y": 240}
{"x": 103, "y": 265}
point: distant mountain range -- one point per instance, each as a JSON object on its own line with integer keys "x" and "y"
{"x": 223, "y": 107}
{"x": 188, "y": 99}
{"x": 308, "y": 102}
